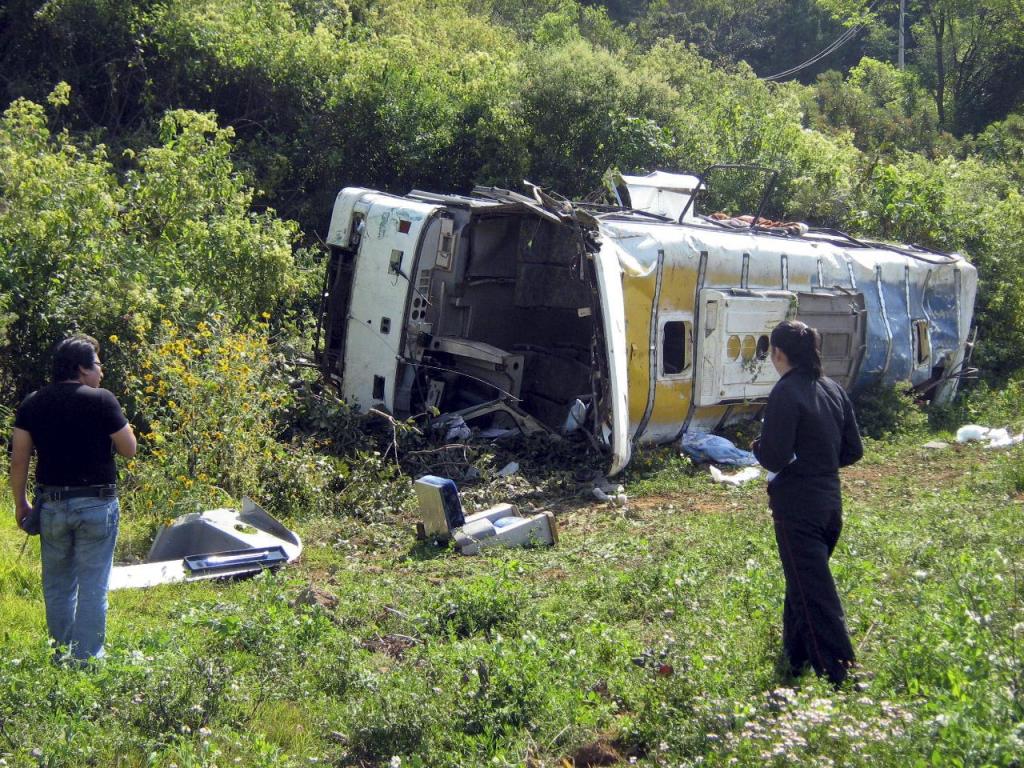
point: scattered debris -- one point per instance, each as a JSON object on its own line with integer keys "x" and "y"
{"x": 458, "y": 430}
{"x": 443, "y": 519}
{"x": 577, "y": 417}
{"x": 996, "y": 438}
{"x": 935, "y": 445}
{"x": 702, "y": 446}
{"x": 440, "y": 507}
{"x": 508, "y": 470}
{"x": 218, "y": 543}
{"x": 392, "y": 645}
{"x": 615, "y": 495}
{"x": 737, "y": 479}
{"x": 503, "y": 525}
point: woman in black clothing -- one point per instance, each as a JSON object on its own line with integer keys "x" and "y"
{"x": 809, "y": 432}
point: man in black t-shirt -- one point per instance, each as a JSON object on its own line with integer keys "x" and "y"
{"x": 74, "y": 427}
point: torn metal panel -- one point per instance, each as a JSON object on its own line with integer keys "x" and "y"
{"x": 214, "y": 544}
{"x": 658, "y": 192}
{"x": 518, "y": 310}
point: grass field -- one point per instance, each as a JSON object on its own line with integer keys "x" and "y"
{"x": 648, "y": 636}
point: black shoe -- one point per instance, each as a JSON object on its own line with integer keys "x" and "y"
{"x": 786, "y": 672}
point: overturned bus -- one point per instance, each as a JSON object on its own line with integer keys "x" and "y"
{"x": 635, "y": 322}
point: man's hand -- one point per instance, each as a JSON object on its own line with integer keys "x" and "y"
{"x": 21, "y": 510}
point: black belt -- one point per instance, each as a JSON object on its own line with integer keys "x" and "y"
{"x": 61, "y": 492}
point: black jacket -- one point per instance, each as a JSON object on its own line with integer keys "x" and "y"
{"x": 809, "y": 431}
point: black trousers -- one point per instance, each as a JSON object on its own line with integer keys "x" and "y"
{"x": 813, "y": 626}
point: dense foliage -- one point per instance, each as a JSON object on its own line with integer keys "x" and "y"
{"x": 394, "y": 94}
{"x": 86, "y": 249}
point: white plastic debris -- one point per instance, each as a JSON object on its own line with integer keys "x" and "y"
{"x": 1001, "y": 438}
{"x": 971, "y": 432}
{"x": 609, "y": 492}
{"x": 576, "y": 418}
{"x": 738, "y": 478}
{"x": 509, "y": 469}
{"x": 458, "y": 430}
{"x": 995, "y": 438}
{"x": 217, "y": 543}
{"x": 503, "y": 525}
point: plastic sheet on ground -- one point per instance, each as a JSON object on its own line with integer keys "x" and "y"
{"x": 737, "y": 478}
{"x": 705, "y": 447}
{"x": 992, "y": 437}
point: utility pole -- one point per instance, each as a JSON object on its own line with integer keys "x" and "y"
{"x": 903, "y": 7}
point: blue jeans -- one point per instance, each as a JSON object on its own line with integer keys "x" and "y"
{"x": 77, "y": 540}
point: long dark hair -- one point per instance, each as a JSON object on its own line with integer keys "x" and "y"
{"x": 801, "y": 345}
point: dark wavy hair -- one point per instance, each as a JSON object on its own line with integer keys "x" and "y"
{"x": 72, "y": 352}
{"x": 801, "y": 344}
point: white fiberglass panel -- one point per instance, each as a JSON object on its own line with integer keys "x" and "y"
{"x": 386, "y": 258}
{"x": 613, "y": 319}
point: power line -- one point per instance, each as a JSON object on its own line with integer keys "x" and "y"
{"x": 835, "y": 45}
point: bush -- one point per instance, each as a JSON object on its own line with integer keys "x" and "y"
{"x": 884, "y": 411}
{"x": 85, "y": 251}
{"x": 208, "y": 405}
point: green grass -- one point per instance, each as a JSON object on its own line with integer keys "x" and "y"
{"x": 649, "y": 633}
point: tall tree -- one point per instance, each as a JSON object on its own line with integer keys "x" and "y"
{"x": 963, "y": 50}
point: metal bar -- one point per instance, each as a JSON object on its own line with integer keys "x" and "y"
{"x": 885, "y": 321}
{"x": 768, "y": 189}
{"x": 652, "y": 350}
{"x": 702, "y": 269}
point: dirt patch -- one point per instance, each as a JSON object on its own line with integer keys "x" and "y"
{"x": 394, "y": 646}
{"x": 687, "y": 502}
{"x": 553, "y": 574}
{"x": 597, "y": 753}
{"x": 313, "y": 595}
